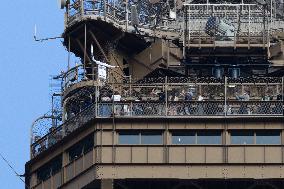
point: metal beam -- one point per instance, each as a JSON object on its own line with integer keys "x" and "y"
{"x": 82, "y": 48}
{"x": 99, "y": 46}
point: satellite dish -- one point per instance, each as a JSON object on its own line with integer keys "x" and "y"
{"x": 62, "y": 3}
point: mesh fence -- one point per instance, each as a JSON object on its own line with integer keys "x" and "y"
{"x": 163, "y": 97}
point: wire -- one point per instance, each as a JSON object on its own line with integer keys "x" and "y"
{"x": 11, "y": 167}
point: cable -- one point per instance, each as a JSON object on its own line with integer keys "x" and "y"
{"x": 18, "y": 175}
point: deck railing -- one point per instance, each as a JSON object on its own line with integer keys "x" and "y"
{"x": 168, "y": 97}
{"x": 239, "y": 23}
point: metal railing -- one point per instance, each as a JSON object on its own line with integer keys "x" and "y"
{"x": 240, "y": 23}
{"x": 55, "y": 134}
{"x": 172, "y": 97}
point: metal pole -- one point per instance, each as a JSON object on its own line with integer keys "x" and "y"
{"x": 166, "y": 95}
{"x": 249, "y": 29}
{"x": 184, "y": 34}
{"x": 105, "y": 9}
{"x": 225, "y": 94}
{"x": 85, "y": 48}
{"x": 271, "y": 7}
{"x": 96, "y": 102}
{"x": 69, "y": 53}
{"x": 82, "y": 7}
{"x": 52, "y": 110}
{"x": 282, "y": 96}
{"x": 126, "y": 16}
{"x": 188, "y": 21}
{"x": 130, "y": 93}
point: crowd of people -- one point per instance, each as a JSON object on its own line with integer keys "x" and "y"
{"x": 174, "y": 102}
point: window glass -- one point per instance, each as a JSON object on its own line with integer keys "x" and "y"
{"x": 43, "y": 174}
{"x": 128, "y": 138}
{"x": 75, "y": 152}
{"x": 209, "y": 137}
{"x": 242, "y": 137}
{"x": 183, "y": 138}
{"x": 88, "y": 143}
{"x": 84, "y": 146}
{"x": 56, "y": 165}
{"x": 51, "y": 168}
{"x": 268, "y": 137}
{"x": 151, "y": 138}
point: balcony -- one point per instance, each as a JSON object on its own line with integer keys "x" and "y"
{"x": 169, "y": 97}
{"x": 245, "y": 25}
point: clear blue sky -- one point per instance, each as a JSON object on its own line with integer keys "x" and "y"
{"x": 25, "y": 72}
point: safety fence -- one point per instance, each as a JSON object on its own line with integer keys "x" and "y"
{"x": 172, "y": 97}
{"x": 201, "y": 23}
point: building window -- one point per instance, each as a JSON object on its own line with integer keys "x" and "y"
{"x": 242, "y": 137}
{"x": 268, "y": 137}
{"x": 197, "y": 137}
{"x": 151, "y": 138}
{"x": 140, "y": 137}
{"x": 256, "y": 137}
{"x": 82, "y": 147}
{"x": 211, "y": 137}
{"x": 49, "y": 169}
{"x": 129, "y": 138}
{"x": 183, "y": 138}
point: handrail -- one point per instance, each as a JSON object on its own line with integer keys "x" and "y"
{"x": 144, "y": 98}
{"x": 121, "y": 16}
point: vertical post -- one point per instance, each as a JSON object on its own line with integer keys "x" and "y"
{"x": 188, "y": 21}
{"x": 268, "y": 32}
{"x": 66, "y": 16}
{"x": 207, "y": 7}
{"x": 96, "y": 101}
{"x": 130, "y": 93}
{"x": 52, "y": 110}
{"x": 126, "y": 16}
{"x": 166, "y": 95}
{"x": 235, "y": 34}
{"x": 225, "y": 96}
{"x": 168, "y": 53}
{"x": 214, "y": 38}
{"x": 282, "y": 95}
{"x": 69, "y": 53}
{"x": 249, "y": 29}
{"x": 82, "y": 7}
{"x": 105, "y": 9}
{"x": 93, "y": 72}
{"x": 271, "y": 9}
{"x": 185, "y": 21}
{"x": 31, "y": 142}
{"x": 113, "y": 108}
{"x": 85, "y": 48}
{"x": 264, "y": 26}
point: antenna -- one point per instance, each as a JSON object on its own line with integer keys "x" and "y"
{"x": 43, "y": 39}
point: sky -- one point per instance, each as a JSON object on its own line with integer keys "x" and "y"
{"x": 26, "y": 69}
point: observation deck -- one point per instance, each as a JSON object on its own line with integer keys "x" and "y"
{"x": 161, "y": 98}
{"x": 193, "y": 26}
